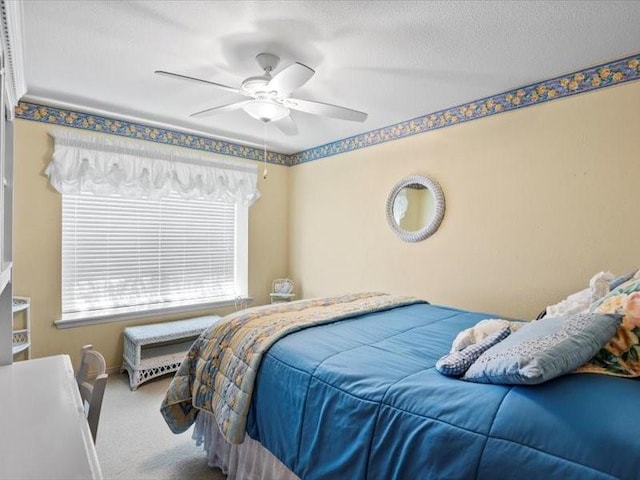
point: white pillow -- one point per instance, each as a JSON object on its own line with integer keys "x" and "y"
{"x": 580, "y": 302}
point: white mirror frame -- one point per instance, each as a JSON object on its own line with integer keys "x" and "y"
{"x": 438, "y": 214}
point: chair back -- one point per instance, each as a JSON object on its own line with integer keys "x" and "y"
{"x": 92, "y": 379}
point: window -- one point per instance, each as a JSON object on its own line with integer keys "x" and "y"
{"x": 123, "y": 255}
{"x": 147, "y": 228}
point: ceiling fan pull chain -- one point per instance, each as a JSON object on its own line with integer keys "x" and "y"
{"x": 264, "y": 173}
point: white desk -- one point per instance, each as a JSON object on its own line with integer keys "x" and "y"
{"x": 43, "y": 431}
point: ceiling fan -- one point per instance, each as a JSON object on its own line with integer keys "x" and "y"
{"x": 269, "y": 96}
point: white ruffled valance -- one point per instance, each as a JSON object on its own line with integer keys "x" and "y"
{"x": 105, "y": 167}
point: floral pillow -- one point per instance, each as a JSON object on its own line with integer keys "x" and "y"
{"x": 621, "y": 355}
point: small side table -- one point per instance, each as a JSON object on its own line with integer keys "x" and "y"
{"x": 282, "y": 297}
{"x": 282, "y": 290}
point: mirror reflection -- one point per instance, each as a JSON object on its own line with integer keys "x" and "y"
{"x": 415, "y": 208}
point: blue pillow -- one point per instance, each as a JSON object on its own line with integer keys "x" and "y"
{"x": 544, "y": 349}
{"x": 456, "y": 363}
{"x": 616, "y": 282}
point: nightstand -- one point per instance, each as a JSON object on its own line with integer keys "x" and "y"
{"x": 282, "y": 290}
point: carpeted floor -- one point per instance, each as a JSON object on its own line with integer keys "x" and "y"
{"x": 134, "y": 443}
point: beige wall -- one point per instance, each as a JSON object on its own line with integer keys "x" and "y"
{"x": 37, "y": 232}
{"x": 538, "y": 200}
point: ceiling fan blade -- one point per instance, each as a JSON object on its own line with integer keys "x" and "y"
{"x": 199, "y": 80}
{"x": 326, "y": 110}
{"x": 220, "y": 109}
{"x": 286, "y": 125}
{"x": 291, "y": 78}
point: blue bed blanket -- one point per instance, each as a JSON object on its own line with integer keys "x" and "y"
{"x": 361, "y": 399}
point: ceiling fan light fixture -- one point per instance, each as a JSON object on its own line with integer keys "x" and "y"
{"x": 266, "y": 111}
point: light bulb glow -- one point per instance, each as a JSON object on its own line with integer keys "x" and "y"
{"x": 266, "y": 110}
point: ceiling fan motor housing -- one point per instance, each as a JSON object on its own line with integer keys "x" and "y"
{"x": 254, "y": 85}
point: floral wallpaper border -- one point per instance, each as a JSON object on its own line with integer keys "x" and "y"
{"x": 96, "y": 123}
{"x": 604, "y": 75}
{"x": 612, "y": 73}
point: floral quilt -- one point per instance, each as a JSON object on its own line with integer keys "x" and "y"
{"x": 219, "y": 371}
{"x": 620, "y": 357}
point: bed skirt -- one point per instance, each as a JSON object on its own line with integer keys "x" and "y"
{"x": 247, "y": 461}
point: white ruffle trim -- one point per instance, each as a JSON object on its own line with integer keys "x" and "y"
{"x": 247, "y": 461}
{"x": 104, "y": 167}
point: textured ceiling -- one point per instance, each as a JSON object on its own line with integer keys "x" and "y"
{"x": 394, "y": 60}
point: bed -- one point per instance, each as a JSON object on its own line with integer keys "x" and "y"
{"x": 359, "y": 398}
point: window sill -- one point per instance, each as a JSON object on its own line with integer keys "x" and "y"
{"x": 123, "y": 314}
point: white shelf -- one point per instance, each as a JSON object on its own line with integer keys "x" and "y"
{"x": 20, "y": 303}
{"x": 6, "y": 212}
{"x": 21, "y": 340}
{"x": 20, "y": 347}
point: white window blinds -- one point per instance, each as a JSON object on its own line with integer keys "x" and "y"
{"x": 123, "y": 254}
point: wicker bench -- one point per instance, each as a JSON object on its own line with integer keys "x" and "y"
{"x": 159, "y": 348}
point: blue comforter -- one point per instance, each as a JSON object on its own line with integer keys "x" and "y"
{"x": 360, "y": 398}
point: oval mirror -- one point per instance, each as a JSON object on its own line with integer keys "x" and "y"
{"x": 415, "y": 208}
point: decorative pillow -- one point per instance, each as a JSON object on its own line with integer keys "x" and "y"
{"x": 456, "y": 363}
{"x": 621, "y": 355}
{"x": 616, "y": 282}
{"x": 545, "y": 349}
